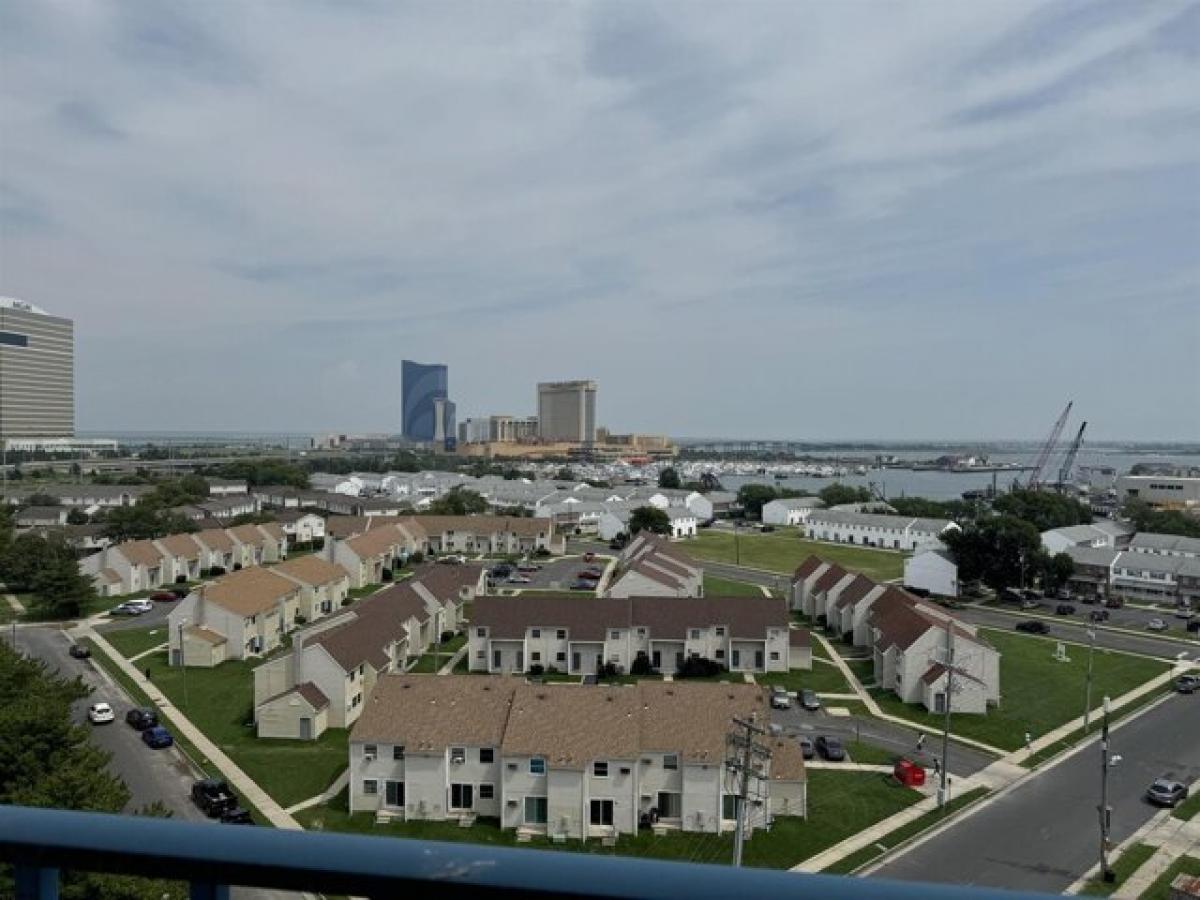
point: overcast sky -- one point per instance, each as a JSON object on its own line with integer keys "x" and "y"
{"x": 811, "y": 220}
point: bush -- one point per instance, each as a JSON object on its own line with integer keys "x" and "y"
{"x": 607, "y": 671}
{"x": 699, "y": 667}
{"x": 447, "y": 636}
{"x": 215, "y": 571}
{"x": 541, "y": 552}
{"x": 386, "y": 575}
{"x": 180, "y": 579}
{"x": 237, "y": 567}
{"x": 417, "y": 558}
{"x": 641, "y": 666}
{"x": 301, "y": 620}
{"x": 536, "y": 670}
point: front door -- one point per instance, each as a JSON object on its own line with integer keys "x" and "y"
{"x": 656, "y": 659}
{"x": 939, "y": 703}
{"x": 736, "y": 659}
{"x": 520, "y": 660}
{"x": 602, "y": 812}
{"x": 758, "y": 660}
{"x": 306, "y": 729}
{"x": 393, "y": 793}
{"x": 497, "y": 659}
{"x": 575, "y": 661}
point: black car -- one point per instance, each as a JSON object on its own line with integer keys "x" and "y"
{"x": 1165, "y": 792}
{"x": 1193, "y": 626}
{"x": 213, "y": 797}
{"x": 1064, "y": 609}
{"x": 831, "y": 748}
{"x": 809, "y": 700}
{"x": 236, "y": 816}
{"x": 141, "y": 719}
{"x": 1099, "y": 615}
{"x": 1033, "y": 626}
{"x": 806, "y": 747}
{"x": 1187, "y": 684}
{"x": 501, "y": 571}
{"x": 79, "y": 651}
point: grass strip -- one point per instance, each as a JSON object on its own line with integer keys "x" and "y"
{"x": 1126, "y": 864}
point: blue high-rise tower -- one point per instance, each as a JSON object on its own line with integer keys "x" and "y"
{"x": 422, "y": 386}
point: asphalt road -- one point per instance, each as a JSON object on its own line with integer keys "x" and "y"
{"x": 156, "y": 617}
{"x": 150, "y": 775}
{"x": 1044, "y": 835}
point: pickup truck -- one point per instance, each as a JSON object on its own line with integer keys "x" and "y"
{"x": 213, "y": 797}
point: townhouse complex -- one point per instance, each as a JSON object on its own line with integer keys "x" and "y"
{"x": 565, "y": 761}
{"x": 148, "y": 564}
{"x": 910, "y": 638}
{"x": 1156, "y": 568}
{"x": 875, "y": 530}
{"x": 332, "y": 667}
{"x": 566, "y": 634}
{"x": 650, "y": 566}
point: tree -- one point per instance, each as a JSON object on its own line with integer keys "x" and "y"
{"x": 753, "y": 497}
{"x": 178, "y": 492}
{"x": 76, "y": 516}
{"x": 837, "y": 493}
{"x": 24, "y": 556}
{"x": 668, "y": 478}
{"x": 144, "y": 521}
{"x": 649, "y": 518}
{"x": 41, "y": 500}
{"x": 1055, "y": 571}
{"x": 919, "y": 507}
{"x": 458, "y": 502}
{"x": 1043, "y": 509}
{"x": 996, "y": 551}
{"x": 1161, "y": 521}
{"x": 59, "y": 588}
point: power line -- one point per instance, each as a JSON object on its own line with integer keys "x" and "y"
{"x": 748, "y": 759}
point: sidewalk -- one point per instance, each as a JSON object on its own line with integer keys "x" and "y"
{"x": 1174, "y": 839}
{"x": 326, "y": 795}
{"x": 448, "y": 668}
{"x": 236, "y": 777}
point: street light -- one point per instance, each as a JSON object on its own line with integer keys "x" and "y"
{"x": 183, "y": 664}
{"x": 1087, "y": 701}
{"x": 1106, "y": 874}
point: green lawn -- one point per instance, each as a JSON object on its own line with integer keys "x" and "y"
{"x": 1127, "y": 863}
{"x": 431, "y": 662}
{"x": 1061, "y": 746}
{"x": 863, "y": 669}
{"x": 220, "y": 702}
{"x": 132, "y": 641}
{"x": 870, "y": 755}
{"x": 784, "y": 551}
{"x": 1038, "y": 694}
{"x": 892, "y": 839}
{"x": 824, "y": 678}
{"x": 1160, "y": 889}
{"x": 1188, "y": 808}
{"x": 840, "y": 804}
{"x": 726, "y": 587}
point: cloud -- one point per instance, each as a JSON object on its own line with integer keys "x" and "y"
{"x": 800, "y": 222}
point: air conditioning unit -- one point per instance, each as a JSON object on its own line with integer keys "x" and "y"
{"x": 458, "y": 760}
{"x": 512, "y": 767}
{"x": 625, "y": 770}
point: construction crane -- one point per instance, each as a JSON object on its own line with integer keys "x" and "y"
{"x": 1064, "y": 473}
{"x": 1039, "y": 465}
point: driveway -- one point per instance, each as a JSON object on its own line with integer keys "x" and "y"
{"x": 156, "y": 617}
{"x": 555, "y": 574}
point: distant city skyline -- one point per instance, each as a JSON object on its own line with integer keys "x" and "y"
{"x": 825, "y": 221}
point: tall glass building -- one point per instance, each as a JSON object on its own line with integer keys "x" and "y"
{"x": 37, "y": 372}
{"x": 424, "y": 400}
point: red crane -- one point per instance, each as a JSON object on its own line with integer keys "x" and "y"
{"x": 1039, "y": 465}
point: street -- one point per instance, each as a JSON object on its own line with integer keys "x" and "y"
{"x": 1045, "y": 834}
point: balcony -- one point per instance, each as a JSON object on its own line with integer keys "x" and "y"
{"x": 210, "y": 857}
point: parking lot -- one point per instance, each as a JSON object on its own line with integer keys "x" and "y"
{"x": 156, "y": 617}
{"x": 1131, "y": 617}
{"x": 556, "y": 574}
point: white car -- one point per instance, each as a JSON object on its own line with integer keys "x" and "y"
{"x": 137, "y": 607}
{"x": 1156, "y": 625}
{"x": 100, "y": 714}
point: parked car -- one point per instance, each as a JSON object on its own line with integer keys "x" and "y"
{"x": 100, "y": 713}
{"x": 1011, "y": 595}
{"x": 1099, "y": 615}
{"x": 1193, "y": 625}
{"x": 1029, "y": 604}
{"x": 141, "y": 719}
{"x": 589, "y": 557}
{"x": 766, "y": 529}
{"x": 831, "y": 748}
{"x": 1187, "y": 684}
{"x": 1033, "y": 626}
{"x": 124, "y": 609}
{"x": 583, "y": 585}
{"x": 452, "y": 559}
{"x": 519, "y": 579}
{"x": 164, "y": 597}
{"x": 132, "y": 608}
{"x": 585, "y": 573}
{"x": 1031, "y": 594}
{"x": 806, "y": 747}
{"x": 529, "y": 568}
{"x": 502, "y": 571}
{"x": 213, "y": 797}
{"x": 1183, "y": 612}
{"x": 157, "y": 737}
{"x": 1165, "y": 792}
{"x": 1089, "y": 599}
{"x": 1064, "y": 609}
{"x": 808, "y": 699}
{"x": 236, "y": 816}
{"x": 780, "y": 698}
{"x": 1156, "y": 625}
{"x": 1114, "y": 602}
{"x": 1063, "y": 594}
{"x": 79, "y": 651}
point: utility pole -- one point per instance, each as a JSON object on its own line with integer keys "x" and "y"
{"x": 945, "y": 773}
{"x": 1106, "y": 874}
{"x": 737, "y": 547}
{"x": 1087, "y": 697}
{"x": 746, "y": 756}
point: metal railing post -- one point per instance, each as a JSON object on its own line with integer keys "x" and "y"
{"x": 207, "y": 890}
{"x": 36, "y": 882}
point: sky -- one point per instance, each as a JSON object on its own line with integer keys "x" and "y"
{"x": 797, "y": 220}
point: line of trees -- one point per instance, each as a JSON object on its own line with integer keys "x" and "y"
{"x": 45, "y": 567}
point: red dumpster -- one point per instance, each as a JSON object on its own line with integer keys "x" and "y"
{"x": 909, "y": 773}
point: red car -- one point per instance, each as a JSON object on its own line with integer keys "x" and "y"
{"x": 589, "y": 576}
{"x": 163, "y": 597}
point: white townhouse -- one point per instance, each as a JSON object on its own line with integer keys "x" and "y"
{"x": 240, "y": 615}
{"x": 875, "y": 530}
{"x": 651, "y": 566}
{"x": 225, "y": 487}
{"x": 790, "y": 511}
{"x": 566, "y": 634}
{"x": 333, "y": 665}
{"x": 847, "y": 616}
{"x": 367, "y": 556}
{"x": 1156, "y": 578}
{"x": 301, "y": 527}
{"x": 1165, "y": 544}
{"x": 323, "y": 585}
{"x": 934, "y": 570}
{"x": 713, "y": 505}
{"x": 128, "y": 567}
{"x": 563, "y": 761}
{"x": 336, "y": 484}
{"x": 1101, "y": 533}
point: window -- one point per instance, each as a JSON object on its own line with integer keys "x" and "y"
{"x": 720, "y": 654}
{"x": 370, "y": 786}
{"x": 535, "y": 656}
{"x": 729, "y": 806}
{"x": 560, "y": 657}
{"x": 370, "y": 751}
{"x": 614, "y": 635}
{"x": 486, "y": 792}
{"x": 462, "y": 796}
{"x": 481, "y": 654}
{"x": 398, "y": 752}
{"x": 601, "y": 812}
{"x": 535, "y": 810}
{"x": 600, "y": 768}
{"x": 720, "y": 631}
{"x": 775, "y": 655}
{"x": 641, "y": 632}
{"x": 537, "y": 765}
{"x": 670, "y": 761}
{"x": 561, "y": 634}
{"x": 536, "y": 632}
{"x": 12, "y": 339}
{"x": 670, "y": 805}
{"x": 695, "y": 634}
{"x": 458, "y": 754}
{"x": 480, "y": 632}
{"x": 486, "y": 754}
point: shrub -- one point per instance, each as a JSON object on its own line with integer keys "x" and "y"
{"x": 536, "y": 670}
{"x": 417, "y": 558}
{"x": 215, "y": 571}
{"x": 301, "y": 620}
{"x": 641, "y": 666}
{"x": 541, "y": 552}
{"x": 386, "y": 575}
{"x": 237, "y": 567}
{"x": 180, "y": 579}
{"x": 447, "y": 636}
{"x": 699, "y": 667}
{"x": 607, "y": 671}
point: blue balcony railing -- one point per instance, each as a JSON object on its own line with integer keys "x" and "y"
{"x": 210, "y": 857}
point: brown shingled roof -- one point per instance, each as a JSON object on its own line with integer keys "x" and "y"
{"x": 787, "y": 759}
{"x": 799, "y": 637}
{"x": 182, "y": 545}
{"x": 141, "y": 553}
{"x": 428, "y": 713}
{"x": 215, "y": 539}
{"x": 572, "y": 726}
{"x": 249, "y": 591}
{"x": 206, "y": 634}
{"x": 829, "y": 578}
{"x": 806, "y": 568}
{"x": 311, "y": 569}
{"x": 247, "y": 534}
{"x": 855, "y": 591}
